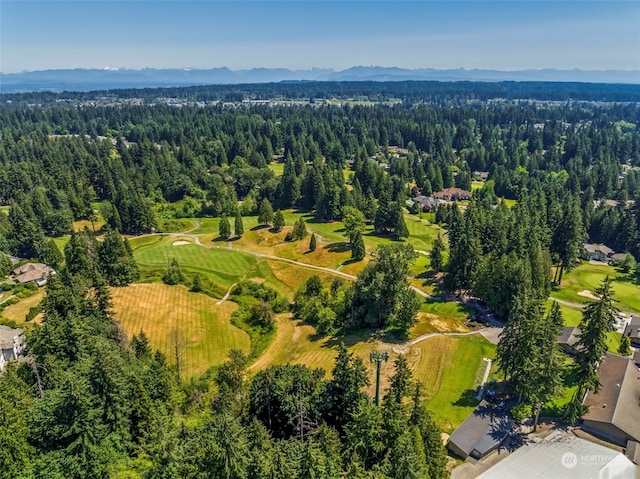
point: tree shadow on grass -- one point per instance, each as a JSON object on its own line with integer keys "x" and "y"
{"x": 387, "y": 236}
{"x": 467, "y": 398}
{"x": 355, "y": 336}
{"x": 315, "y": 221}
{"x": 339, "y": 247}
{"x": 628, "y": 277}
{"x": 260, "y": 227}
{"x": 219, "y": 239}
{"x": 350, "y": 261}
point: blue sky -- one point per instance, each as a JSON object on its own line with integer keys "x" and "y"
{"x": 502, "y": 35}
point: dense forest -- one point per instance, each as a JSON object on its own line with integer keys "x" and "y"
{"x": 92, "y": 403}
{"x": 56, "y": 162}
{"x": 410, "y": 92}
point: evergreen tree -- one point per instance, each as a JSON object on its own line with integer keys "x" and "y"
{"x": 625, "y": 346}
{"x": 81, "y": 253}
{"x": 50, "y": 254}
{"x": 515, "y": 353}
{"x": 278, "y": 221}
{"x": 400, "y": 229}
{"x": 358, "y": 250}
{"x": 299, "y": 230}
{"x": 224, "y": 228}
{"x": 288, "y": 190}
{"x": 238, "y": 230}
{"x": 437, "y": 254}
{"x": 400, "y": 381}
{"x": 173, "y": 275}
{"x": 435, "y": 452}
{"x": 598, "y": 319}
{"x": 384, "y": 215}
{"x": 407, "y": 456}
{"x": 312, "y": 242}
{"x": 265, "y": 212}
{"x": 114, "y": 220}
{"x": 568, "y": 237}
{"x": 196, "y": 286}
{"x": 549, "y": 360}
{"x": 115, "y": 263}
{"x": 344, "y": 391}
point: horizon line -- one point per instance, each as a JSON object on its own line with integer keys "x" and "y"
{"x": 310, "y": 69}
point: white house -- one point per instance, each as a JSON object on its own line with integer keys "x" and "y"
{"x": 11, "y": 344}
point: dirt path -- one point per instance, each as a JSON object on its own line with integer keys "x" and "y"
{"x": 567, "y": 303}
{"x": 7, "y": 299}
{"x": 197, "y": 225}
{"x": 468, "y": 333}
{"x": 226, "y": 295}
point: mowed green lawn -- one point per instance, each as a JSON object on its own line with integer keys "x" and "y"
{"x": 222, "y": 266}
{"x": 450, "y": 369}
{"x": 277, "y": 168}
{"x": 587, "y": 277}
{"x": 573, "y": 316}
{"x": 204, "y": 326}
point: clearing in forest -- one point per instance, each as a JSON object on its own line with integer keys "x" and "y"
{"x": 205, "y": 328}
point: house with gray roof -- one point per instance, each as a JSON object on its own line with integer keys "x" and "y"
{"x": 614, "y": 412}
{"x": 596, "y": 252}
{"x": 427, "y": 203}
{"x": 633, "y": 331}
{"x": 482, "y": 431}
{"x": 568, "y": 338}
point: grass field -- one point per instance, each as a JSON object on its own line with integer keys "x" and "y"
{"x": 589, "y": 276}
{"x": 222, "y": 266}
{"x": 81, "y": 224}
{"x": 476, "y": 185}
{"x": 332, "y": 251}
{"x": 17, "y": 312}
{"x": 449, "y": 367}
{"x": 210, "y": 225}
{"x": 159, "y": 309}
{"x": 277, "y": 168}
{"x": 174, "y": 225}
{"x": 61, "y": 242}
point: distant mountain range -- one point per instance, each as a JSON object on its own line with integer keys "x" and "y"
{"x": 109, "y": 78}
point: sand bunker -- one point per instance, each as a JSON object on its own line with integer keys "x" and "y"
{"x": 587, "y": 294}
{"x": 181, "y": 242}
